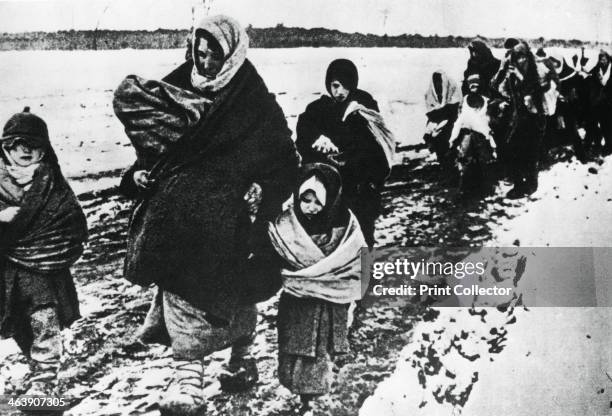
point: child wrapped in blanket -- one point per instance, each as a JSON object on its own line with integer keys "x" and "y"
{"x": 318, "y": 240}
{"x": 42, "y": 231}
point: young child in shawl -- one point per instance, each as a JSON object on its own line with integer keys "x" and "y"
{"x": 42, "y": 231}
{"x": 319, "y": 242}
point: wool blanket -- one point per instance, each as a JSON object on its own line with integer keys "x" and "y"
{"x": 191, "y": 233}
{"x": 376, "y": 124}
{"x": 334, "y": 278}
{"x": 48, "y": 233}
{"x": 156, "y": 115}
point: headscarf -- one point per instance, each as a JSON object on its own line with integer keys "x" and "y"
{"x": 33, "y": 130}
{"x": 482, "y": 50}
{"x": 315, "y": 186}
{"x": 234, "y": 42}
{"x": 344, "y": 71}
{"x": 451, "y": 94}
{"x": 334, "y": 212}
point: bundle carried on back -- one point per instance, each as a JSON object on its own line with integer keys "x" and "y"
{"x": 156, "y": 115}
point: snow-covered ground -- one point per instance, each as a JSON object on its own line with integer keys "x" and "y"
{"x": 549, "y": 361}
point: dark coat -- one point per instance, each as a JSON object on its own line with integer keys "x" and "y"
{"x": 191, "y": 234}
{"x": 600, "y": 96}
{"x": 362, "y": 163}
{"x": 486, "y": 66}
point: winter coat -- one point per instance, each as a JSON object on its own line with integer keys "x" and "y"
{"x": 191, "y": 233}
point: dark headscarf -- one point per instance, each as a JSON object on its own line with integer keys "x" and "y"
{"x": 334, "y": 213}
{"x": 486, "y": 65}
{"x": 344, "y": 71}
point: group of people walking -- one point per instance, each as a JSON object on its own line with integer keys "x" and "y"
{"x": 227, "y": 211}
{"x": 516, "y": 109}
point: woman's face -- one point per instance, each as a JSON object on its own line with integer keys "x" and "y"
{"x": 23, "y": 154}
{"x": 309, "y": 204}
{"x": 604, "y": 60}
{"x": 208, "y": 59}
{"x": 338, "y": 91}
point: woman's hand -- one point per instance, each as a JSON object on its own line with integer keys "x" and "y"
{"x": 141, "y": 179}
{"x": 9, "y": 214}
{"x": 324, "y": 145}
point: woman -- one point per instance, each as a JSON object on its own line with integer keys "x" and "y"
{"x": 192, "y": 232}
{"x": 521, "y": 86}
{"x": 442, "y": 100}
{"x": 345, "y": 129}
{"x": 483, "y": 63}
{"x": 599, "y": 121}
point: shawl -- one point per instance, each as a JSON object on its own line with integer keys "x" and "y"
{"x": 451, "y": 94}
{"x": 376, "y": 124}
{"x": 49, "y": 231}
{"x": 191, "y": 233}
{"x": 156, "y": 115}
{"x": 233, "y": 40}
{"x": 334, "y": 278}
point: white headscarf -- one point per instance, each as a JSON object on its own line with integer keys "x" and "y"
{"x": 233, "y": 40}
{"x": 315, "y": 185}
{"x": 451, "y": 94}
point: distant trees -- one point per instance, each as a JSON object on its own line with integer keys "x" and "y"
{"x": 279, "y": 36}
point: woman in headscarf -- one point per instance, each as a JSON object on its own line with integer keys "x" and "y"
{"x": 442, "y": 100}
{"x": 483, "y": 63}
{"x": 331, "y": 131}
{"x": 192, "y": 232}
{"x": 520, "y": 85}
{"x": 599, "y": 122}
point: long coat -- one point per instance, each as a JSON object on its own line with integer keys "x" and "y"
{"x": 191, "y": 234}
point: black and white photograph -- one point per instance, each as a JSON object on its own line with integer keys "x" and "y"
{"x": 313, "y": 208}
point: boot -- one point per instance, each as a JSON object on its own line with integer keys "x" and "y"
{"x": 241, "y": 372}
{"x": 185, "y": 396}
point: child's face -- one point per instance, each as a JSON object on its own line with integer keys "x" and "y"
{"x": 23, "y": 154}
{"x": 309, "y": 204}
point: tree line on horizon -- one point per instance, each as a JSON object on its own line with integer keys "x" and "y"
{"x": 273, "y": 37}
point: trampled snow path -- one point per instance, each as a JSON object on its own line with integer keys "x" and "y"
{"x": 549, "y": 361}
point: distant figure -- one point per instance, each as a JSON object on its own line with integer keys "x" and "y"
{"x": 572, "y": 105}
{"x": 317, "y": 242}
{"x": 472, "y": 138}
{"x": 42, "y": 232}
{"x": 344, "y": 129}
{"x": 599, "y": 122}
{"x": 483, "y": 63}
{"x": 519, "y": 83}
{"x": 442, "y": 100}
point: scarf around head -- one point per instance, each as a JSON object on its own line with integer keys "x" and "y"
{"x": 451, "y": 94}
{"x": 234, "y": 42}
{"x": 334, "y": 213}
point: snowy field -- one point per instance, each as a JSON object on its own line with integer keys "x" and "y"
{"x": 545, "y": 361}
{"x": 72, "y": 90}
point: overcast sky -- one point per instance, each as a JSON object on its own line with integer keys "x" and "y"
{"x": 581, "y": 19}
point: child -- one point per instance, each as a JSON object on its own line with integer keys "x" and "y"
{"x": 319, "y": 241}
{"x": 42, "y": 231}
